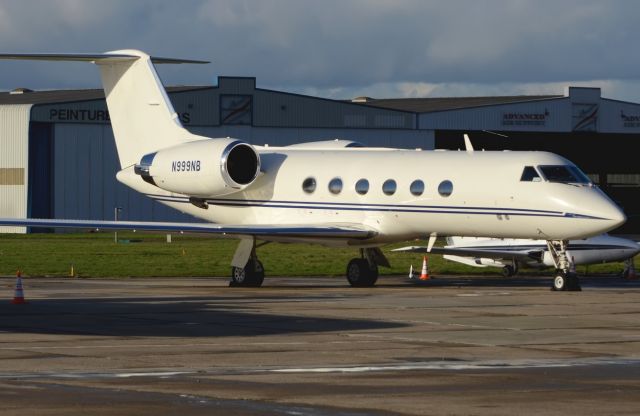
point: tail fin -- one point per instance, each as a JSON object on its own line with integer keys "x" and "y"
{"x": 141, "y": 113}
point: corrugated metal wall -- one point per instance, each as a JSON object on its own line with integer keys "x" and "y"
{"x": 14, "y": 139}
{"x": 85, "y": 185}
{"x": 555, "y": 116}
{"x": 619, "y": 117}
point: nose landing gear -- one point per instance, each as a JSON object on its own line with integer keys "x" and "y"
{"x": 565, "y": 277}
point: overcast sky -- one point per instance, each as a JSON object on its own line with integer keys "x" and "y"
{"x": 341, "y": 48}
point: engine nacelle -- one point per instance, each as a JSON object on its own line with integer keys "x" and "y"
{"x": 202, "y": 168}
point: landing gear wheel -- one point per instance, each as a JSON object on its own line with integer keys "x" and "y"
{"x": 252, "y": 275}
{"x": 559, "y": 282}
{"x": 568, "y": 282}
{"x": 360, "y": 274}
{"x": 508, "y": 271}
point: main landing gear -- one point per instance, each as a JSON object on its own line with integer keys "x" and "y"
{"x": 565, "y": 278}
{"x": 247, "y": 270}
{"x": 510, "y": 270}
{"x": 363, "y": 271}
{"x": 251, "y": 275}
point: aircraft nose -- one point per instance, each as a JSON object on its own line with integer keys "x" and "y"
{"x": 616, "y": 216}
{"x": 609, "y": 213}
{"x": 613, "y": 214}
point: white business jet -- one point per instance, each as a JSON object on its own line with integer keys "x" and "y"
{"x": 512, "y": 254}
{"x": 331, "y": 193}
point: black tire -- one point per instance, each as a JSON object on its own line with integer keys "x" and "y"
{"x": 360, "y": 274}
{"x": 508, "y": 271}
{"x": 252, "y": 275}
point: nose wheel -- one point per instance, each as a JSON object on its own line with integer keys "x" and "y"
{"x": 565, "y": 278}
{"x": 566, "y": 281}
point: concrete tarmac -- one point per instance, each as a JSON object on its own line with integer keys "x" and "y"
{"x": 314, "y": 346}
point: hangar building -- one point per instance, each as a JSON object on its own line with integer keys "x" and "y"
{"x": 58, "y": 157}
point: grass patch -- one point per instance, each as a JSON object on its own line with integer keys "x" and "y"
{"x": 96, "y": 255}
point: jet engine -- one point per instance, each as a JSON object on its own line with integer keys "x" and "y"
{"x": 202, "y": 168}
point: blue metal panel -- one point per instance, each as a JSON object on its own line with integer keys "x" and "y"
{"x": 40, "y": 171}
{"x": 85, "y": 185}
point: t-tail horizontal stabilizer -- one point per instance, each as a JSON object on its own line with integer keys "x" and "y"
{"x": 142, "y": 116}
{"x": 94, "y": 57}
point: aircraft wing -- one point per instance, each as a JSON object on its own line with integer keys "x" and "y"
{"x": 523, "y": 255}
{"x": 325, "y": 231}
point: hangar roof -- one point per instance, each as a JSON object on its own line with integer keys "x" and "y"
{"x": 413, "y": 105}
{"x": 426, "y": 105}
{"x": 65, "y": 96}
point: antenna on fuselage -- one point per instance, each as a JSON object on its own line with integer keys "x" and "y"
{"x": 467, "y": 144}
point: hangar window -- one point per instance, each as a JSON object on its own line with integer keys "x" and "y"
{"x": 564, "y": 174}
{"x": 417, "y": 187}
{"x": 529, "y": 174}
{"x": 335, "y": 185}
{"x": 362, "y": 186}
{"x": 389, "y": 187}
{"x": 445, "y": 188}
{"x": 309, "y": 185}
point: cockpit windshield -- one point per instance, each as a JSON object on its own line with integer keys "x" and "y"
{"x": 564, "y": 174}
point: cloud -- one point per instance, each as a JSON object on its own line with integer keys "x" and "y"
{"x": 407, "y": 47}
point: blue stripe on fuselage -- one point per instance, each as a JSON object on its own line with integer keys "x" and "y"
{"x": 379, "y": 207}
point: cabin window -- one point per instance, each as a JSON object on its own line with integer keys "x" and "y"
{"x": 309, "y": 185}
{"x": 335, "y": 186}
{"x": 564, "y": 174}
{"x": 417, "y": 187}
{"x": 529, "y": 174}
{"x": 362, "y": 186}
{"x": 445, "y": 188}
{"x": 389, "y": 187}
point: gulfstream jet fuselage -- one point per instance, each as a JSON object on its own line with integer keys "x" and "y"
{"x": 334, "y": 192}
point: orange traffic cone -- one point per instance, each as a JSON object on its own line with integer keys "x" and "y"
{"x": 425, "y": 269}
{"x": 18, "y": 297}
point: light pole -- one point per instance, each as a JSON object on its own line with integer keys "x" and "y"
{"x": 116, "y": 210}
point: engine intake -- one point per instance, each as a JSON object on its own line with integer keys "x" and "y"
{"x": 202, "y": 168}
{"x": 240, "y": 163}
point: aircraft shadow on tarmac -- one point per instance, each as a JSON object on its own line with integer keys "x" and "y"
{"x": 163, "y": 317}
